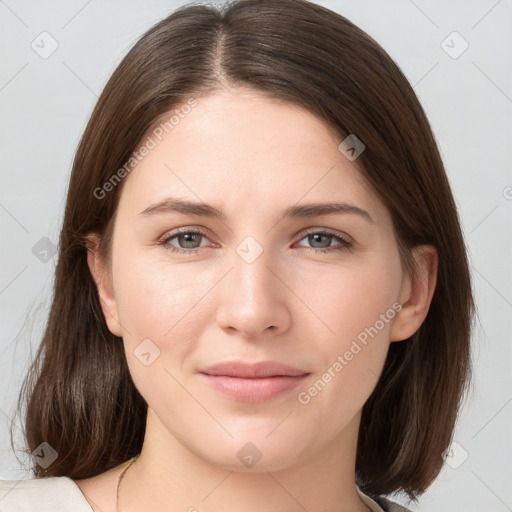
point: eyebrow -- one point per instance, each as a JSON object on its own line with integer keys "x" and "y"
{"x": 172, "y": 205}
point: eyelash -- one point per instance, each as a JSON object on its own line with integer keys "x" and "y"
{"x": 344, "y": 243}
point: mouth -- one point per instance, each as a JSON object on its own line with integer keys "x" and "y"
{"x": 258, "y": 389}
{"x": 253, "y": 382}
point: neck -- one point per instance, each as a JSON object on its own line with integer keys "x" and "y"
{"x": 169, "y": 477}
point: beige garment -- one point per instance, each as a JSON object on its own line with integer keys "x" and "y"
{"x": 61, "y": 494}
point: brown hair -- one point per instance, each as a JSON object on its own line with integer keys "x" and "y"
{"x": 79, "y": 394}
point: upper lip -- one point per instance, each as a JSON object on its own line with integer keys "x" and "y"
{"x": 249, "y": 370}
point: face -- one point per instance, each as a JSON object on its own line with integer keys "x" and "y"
{"x": 265, "y": 277}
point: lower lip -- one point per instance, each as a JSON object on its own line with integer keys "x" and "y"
{"x": 253, "y": 390}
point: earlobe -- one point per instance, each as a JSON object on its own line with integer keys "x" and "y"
{"x": 417, "y": 293}
{"x": 104, "y": 286}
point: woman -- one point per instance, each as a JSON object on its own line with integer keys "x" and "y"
{"x": 262, "y": 298}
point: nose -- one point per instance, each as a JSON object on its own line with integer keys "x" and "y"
{"x": 254, "y": 302}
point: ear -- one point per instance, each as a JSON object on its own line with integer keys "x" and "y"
{"x": 416, "y": 294}
{"x": 102, "y": 278}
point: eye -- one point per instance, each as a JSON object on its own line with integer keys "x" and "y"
{"x": 321, "y": 241}
{"x": 188, "y": 241}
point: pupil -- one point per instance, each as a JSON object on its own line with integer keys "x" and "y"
{"x": 189, "y": 239}
{"x": 316, "y": 237}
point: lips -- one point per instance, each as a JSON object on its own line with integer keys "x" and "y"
{"x": 253, "y": 382}
{"x": 247, "y": 370}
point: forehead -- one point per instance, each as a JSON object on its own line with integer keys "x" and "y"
{"x": 244, "y": 147}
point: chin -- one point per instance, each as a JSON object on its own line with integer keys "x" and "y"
{"x": 254, "y": 454}
{"x": 265, "y": 464}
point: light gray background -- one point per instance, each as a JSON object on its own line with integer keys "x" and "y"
{"x": 46, "y": 102}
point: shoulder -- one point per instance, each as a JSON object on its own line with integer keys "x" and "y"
{"x": 50, "y": 494}
{"x": 390, "y": 506}
{"x": 381, "y": 503}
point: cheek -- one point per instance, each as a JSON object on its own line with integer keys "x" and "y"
{"x": 350, "y": 299}
{"x": 356, "y": 307}
{"x": 159, "y": 302}
{"x": 153, "y": 297}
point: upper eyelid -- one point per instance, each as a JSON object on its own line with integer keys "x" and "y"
{"x": 179, "y": 231}
{"x": 327, "y": 231}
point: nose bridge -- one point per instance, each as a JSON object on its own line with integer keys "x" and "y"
{"x": 252, "y": 299}
{"x": 253, "y": 280}
{"x": 251, "y": 268}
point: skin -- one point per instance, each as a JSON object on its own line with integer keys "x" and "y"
{"x": 252, "y": 157}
